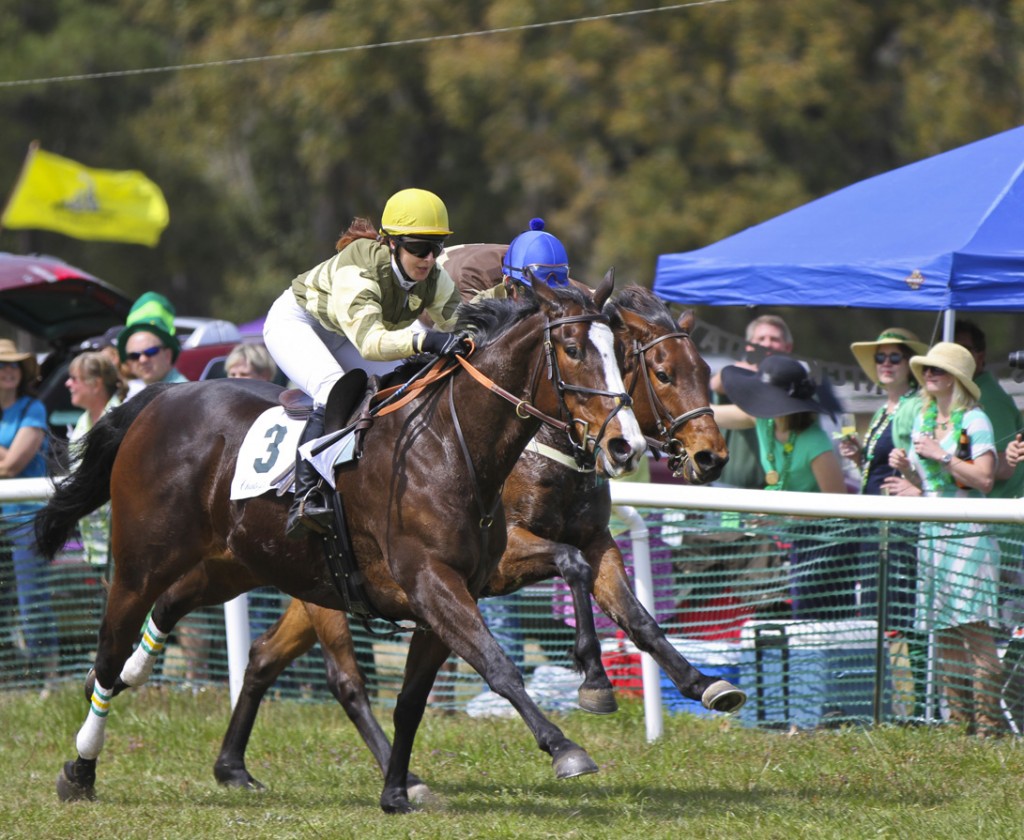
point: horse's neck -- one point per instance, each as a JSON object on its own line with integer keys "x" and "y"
{"x": 500, "y": 433}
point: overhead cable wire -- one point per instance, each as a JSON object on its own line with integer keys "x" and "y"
{"x": 229, "y": 62}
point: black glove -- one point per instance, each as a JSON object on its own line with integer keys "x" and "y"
{"x": 441, "y": 343}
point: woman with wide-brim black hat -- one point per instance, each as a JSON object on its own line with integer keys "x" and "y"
{"x": 780, "y": 400}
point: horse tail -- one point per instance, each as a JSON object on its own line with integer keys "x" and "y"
{"x": 88, "y": 485}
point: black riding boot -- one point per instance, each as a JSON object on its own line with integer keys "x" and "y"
{"x": 309, "y": 513}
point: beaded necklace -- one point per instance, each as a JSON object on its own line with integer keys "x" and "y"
{"x": 875, "y": 432}
{"x": 934, "y": 474}
{"x": 773, "y": 478}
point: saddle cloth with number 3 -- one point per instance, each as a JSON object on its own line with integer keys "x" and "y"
{"x": 266, "y": 459}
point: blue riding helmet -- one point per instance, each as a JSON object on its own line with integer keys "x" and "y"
{"x": 540, "y": 253}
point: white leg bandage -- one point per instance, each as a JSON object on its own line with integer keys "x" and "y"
{"x": 90, "y": 737}
{"x": 140, "y": 664}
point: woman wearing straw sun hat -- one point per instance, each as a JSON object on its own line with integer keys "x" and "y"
{"x": 22, "y": 444}
{"x": 782, "y": 402}
{"x": 886, "y": 362}
{"x": 958, "y": 590}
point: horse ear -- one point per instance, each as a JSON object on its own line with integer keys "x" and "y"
{"x": 605, "y": 289}
{"x": 687, "y": 320}
{"x": 543, "y": 291}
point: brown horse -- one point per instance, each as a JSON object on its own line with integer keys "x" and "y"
{"x": 417, "y": 508}
{"x": 557, "y": 519}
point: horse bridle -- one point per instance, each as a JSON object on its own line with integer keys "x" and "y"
{"x": 525, "y": 409}
{"x": 677, "y": 457}
{"x": 584, "y": 458}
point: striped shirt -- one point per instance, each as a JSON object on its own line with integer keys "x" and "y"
{"x": 356, "y": 293}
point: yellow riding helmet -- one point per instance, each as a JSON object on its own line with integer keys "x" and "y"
{"x": 415, "y": 212}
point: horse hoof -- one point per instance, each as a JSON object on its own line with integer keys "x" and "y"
{"x": 395, "y": 803}
{"x": 598, "y": 701}
{"x": 68, "y": 790}
{"x": 722, "y": 696}
{"x": 574, "y": 763}
{"x": 239, "y": 779}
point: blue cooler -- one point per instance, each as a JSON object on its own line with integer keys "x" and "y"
{"x": 716, "y": 659}
{"x": 808, "y": 673}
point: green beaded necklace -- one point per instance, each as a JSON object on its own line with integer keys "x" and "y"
{"x": 934, "y": 474}
{"x": 773, "y": 478}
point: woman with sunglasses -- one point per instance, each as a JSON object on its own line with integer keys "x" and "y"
{"x": 958, "y": 563}
{"x": 886, "y": 362}
{"x": 360, "y": 309}
{"x": 23, "y": 444}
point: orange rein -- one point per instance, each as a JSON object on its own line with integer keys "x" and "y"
{"x": 441, "y": 369}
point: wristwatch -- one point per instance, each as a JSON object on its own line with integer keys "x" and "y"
{"x": 946, "y": 459}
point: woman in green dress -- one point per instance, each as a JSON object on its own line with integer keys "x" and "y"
{"x": 953, "y": 455}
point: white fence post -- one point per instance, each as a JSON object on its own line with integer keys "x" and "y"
{"x": 643, "y": 582}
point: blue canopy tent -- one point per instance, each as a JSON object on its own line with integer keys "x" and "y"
{"x": 945, "y": 233}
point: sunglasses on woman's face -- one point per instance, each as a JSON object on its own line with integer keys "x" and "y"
{"x": 929, "y": 370}
{"x": 893, "y": 358}
{"x": 421, "y": 248}
{"x": 149, "y": 353}
{"x": 5, "y": 365}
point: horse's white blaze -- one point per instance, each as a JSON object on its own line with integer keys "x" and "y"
{"x": 604, "y": 341}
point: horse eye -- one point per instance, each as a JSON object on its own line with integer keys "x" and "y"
{"x": 663, "y": 377}
{"x": 572, "y": 351}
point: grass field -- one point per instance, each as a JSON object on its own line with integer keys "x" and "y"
{"x": 706, "y": 778}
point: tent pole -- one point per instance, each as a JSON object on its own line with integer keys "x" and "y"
{"x": 948, "y": 321}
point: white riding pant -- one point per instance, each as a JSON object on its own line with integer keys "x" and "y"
{"x": 311, "y": 356}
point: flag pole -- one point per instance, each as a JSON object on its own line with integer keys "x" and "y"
{"x": 33, "y": 147}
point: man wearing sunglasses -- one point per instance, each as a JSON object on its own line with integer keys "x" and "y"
{"x": 360, "y": 309}
{"x": 148, "y": 343}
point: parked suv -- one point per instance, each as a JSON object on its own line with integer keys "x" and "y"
{"x": 51, "y": 307}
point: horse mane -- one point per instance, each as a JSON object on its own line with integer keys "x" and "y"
{"x": 641, "y": 301}
{"x": 486, "y": 320}
{"x": 490, "y": 318}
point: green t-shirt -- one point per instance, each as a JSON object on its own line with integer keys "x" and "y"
{"x": 794, "y": 468}
{"x": 743, "y": 469}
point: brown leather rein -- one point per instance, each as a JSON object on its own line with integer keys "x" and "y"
{"x": 524, "y": 407}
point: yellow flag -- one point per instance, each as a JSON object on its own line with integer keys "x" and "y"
{"x": 55, "y": 193}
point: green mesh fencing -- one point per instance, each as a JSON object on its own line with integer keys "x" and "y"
{"x": 788, "y": 608}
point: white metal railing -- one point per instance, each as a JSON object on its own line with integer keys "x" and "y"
{"x": 627, "y": 496}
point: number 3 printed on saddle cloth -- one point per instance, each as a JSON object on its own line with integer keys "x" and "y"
{"x": 266, "y": 454}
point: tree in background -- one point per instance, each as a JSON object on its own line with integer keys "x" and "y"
{"x": 631, "y": 136}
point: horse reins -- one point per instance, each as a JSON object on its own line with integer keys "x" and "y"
{"x": 668, "y": 443}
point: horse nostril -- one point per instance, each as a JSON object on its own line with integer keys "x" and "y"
{"x": 709, "y": 463}
{"x": 620, "y": 450}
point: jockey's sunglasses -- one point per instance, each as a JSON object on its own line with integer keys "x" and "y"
{"x": 553, "y": 275}
{"x": 893, "y": 358}
{"x": 149, "y": 353}
{"x": 420, "y": 248}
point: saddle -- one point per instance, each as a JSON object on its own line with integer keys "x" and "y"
{"x": 347, "y": 412}
{"x": 348, "y": 405}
